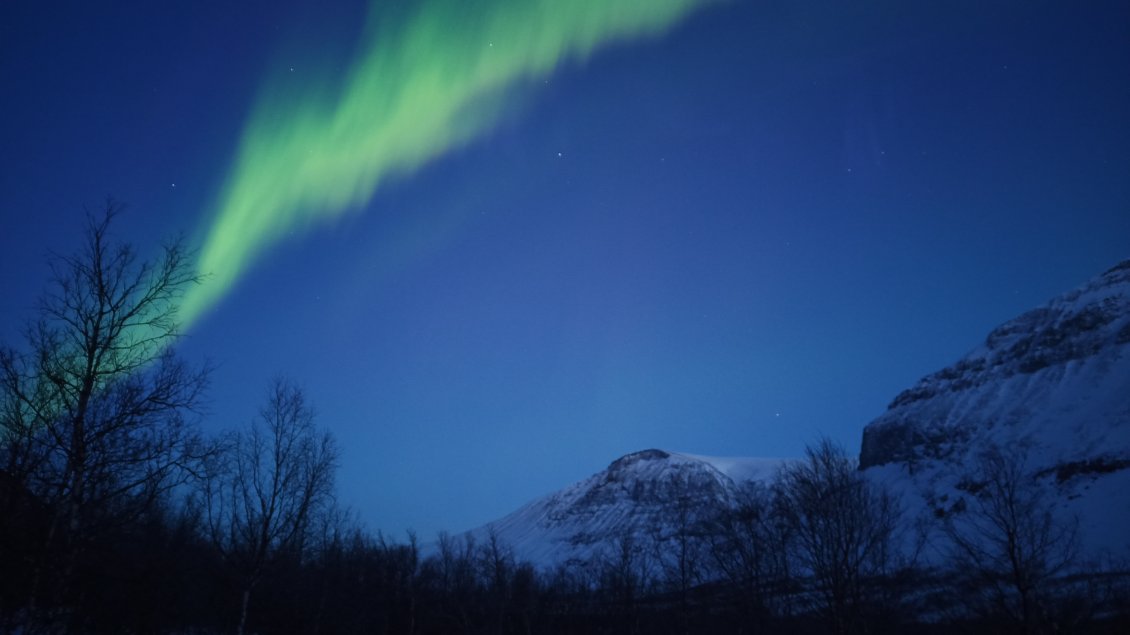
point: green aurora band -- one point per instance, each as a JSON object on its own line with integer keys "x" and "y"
{"x": 417, "y": 89}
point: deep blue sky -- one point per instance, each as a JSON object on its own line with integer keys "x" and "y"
{"x": 752, "y": 231}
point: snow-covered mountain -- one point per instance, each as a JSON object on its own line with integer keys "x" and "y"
{"x": 1052, "y": 385}
{"x": 640, "y": 495}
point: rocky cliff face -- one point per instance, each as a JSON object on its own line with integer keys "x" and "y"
{"x": 1053, "y": 383}
{"x": 1062, "y": 366}
{"x": 644, "y": 496}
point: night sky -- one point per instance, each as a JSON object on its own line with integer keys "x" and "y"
{"x": 722, "y": 228}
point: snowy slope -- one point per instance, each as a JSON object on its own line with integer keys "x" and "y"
{"x": 1053, "y": 384}
{"x": 639, "y": 495}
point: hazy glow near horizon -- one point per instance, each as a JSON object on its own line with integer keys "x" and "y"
{"x": 415, "y": 91}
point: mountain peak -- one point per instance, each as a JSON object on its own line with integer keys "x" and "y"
{"x": 628, "y": 460}
{"x": 633, "y": 497}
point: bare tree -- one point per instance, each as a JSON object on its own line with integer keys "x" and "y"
{"x": 94, "y": 412}
{"x": 626, "y": 576}
{"x": 746, "y": 548}
{"x": 456, "y": 578}
{"x": 496, "y": 568}
{"x": 262, "y": 492}
{"x": 1009, "y": 542}
{"x": 679, "y": 548}
{"x": 841, "y": 529}
{"x": 402, "y": 564}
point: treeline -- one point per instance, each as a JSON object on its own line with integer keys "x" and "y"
{"x": 118, "y": 516}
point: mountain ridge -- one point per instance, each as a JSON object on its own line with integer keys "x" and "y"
{"x": 1052, "y": 384}
{"x": 1076, "y": 341}
{"x": 1052, "y": 387}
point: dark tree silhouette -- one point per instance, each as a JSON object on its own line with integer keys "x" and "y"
{"x": 1009, "y": 542}
{"x": 841, "y": 529}
{"x": 679, "y": 550}
{"x": 747, "y": 549}
{"x": 625, "y": 577}
{"x": 93, "y": 412}
{"x": 263, "y": 490}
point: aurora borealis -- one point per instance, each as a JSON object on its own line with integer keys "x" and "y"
{"x": 418, "y": 88}
{"x": 501, "y": 244}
